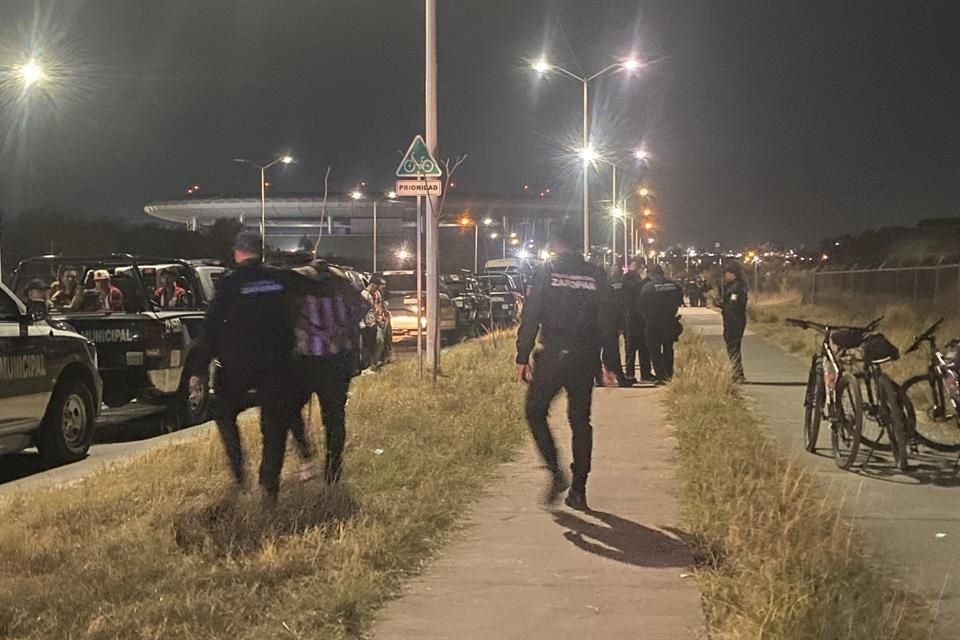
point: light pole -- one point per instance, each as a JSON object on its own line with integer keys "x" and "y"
{"x": 263, "y": 195}
{"x": 466, "y": 221}
{"x": 27, "y": 75}
{"x": 542, "y": 66}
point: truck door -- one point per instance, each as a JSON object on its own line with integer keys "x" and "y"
{"x": 24, "y": 384}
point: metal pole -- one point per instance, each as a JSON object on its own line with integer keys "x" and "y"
{"x": 476, "y": 246}
{"x": 419, "y": 287}
{"x": 586, "y": 179}
{"x": 374, "y": 236}
{"x": 433, "y": 230}
{"x": 504, "y": 236}
{"x": 613, "y": 200}
{"x": 263, "y": 214}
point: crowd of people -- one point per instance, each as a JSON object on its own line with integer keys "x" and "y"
{"x": 573, "y": 310}
{"x": 68, "y": 294}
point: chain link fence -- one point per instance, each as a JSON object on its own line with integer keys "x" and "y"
{"x": 927, "y": 286}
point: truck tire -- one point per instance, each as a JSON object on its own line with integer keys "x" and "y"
{"x": 67, "y": 429}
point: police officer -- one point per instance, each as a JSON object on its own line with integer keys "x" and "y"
{"x": 569, "y": 307}
{"x": 659, "y": 301}
{"x": 249, "y": 329}
{"x": 634, "y": 338}
{"x": 733, "y": 306}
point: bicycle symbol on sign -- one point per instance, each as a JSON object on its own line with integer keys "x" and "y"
{"x": 421, "y": 166}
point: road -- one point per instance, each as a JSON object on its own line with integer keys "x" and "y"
{"x": 911, "y": 521}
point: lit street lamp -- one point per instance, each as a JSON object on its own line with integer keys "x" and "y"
{"x": 27, "y": 76}
{"x": 263, "y": 195}
{"x": 356, "y": 194}
{"x": 466, "y": 221}
{"x": 542, "y": 66}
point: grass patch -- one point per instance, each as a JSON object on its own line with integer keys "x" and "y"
{"x": 777, "y": 560}
{"x": 147, "y": 550}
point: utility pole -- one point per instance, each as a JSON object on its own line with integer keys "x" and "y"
{"x": 433, "y": 222}
{"x": 586, "y": 177}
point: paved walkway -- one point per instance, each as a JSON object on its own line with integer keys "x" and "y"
{"x": 517, "y": 571}
{"x": 911, "y": 521}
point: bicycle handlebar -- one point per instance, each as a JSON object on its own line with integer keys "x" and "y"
{"x": 809, "y": 324}
{"x": 929, "y": 334}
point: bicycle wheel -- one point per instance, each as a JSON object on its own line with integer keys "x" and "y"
{"x": 873, "y": 430}
{"x": 935, "y": 427}
{"x": 894, "y": 415}
{"x": 847, "y": 420}
{"x": 813, "y": 406}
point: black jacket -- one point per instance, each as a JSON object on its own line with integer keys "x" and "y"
{"x": 250, "y": 321}
{"x": 734, "y": 307}
{"x": 633, "y": 284}
{"x": 570, "y": 307}
{"x": 659, "y": 300}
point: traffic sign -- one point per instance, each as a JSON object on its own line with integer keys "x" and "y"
{"x": 418, "y": 162}
{"x": 419, "y": 188}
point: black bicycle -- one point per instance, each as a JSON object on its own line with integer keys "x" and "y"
{"x": 935, "y": 395}
{"x": 887, "y": 405}
{"x": 833, "y": 393}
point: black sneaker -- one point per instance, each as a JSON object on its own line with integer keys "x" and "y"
{"x": 577, "y": 500}
{"x": 558, "y": 484}
{"x": 624, "y": 383}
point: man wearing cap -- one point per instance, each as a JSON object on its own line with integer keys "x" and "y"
{"x": 660, "y": 299}
{"x": 170, "y": 295}
{"x": 109, "y": 297}
{"x": 249, "y": 329}
{"x": 733, "y": 307}
{"x": 569, "y": 307}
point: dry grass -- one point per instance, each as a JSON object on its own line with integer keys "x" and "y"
{"x": 148, "y": 551}
{"x": 777, "y": 559}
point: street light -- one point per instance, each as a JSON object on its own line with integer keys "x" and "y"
{"x": 27, "y": 75}
{"x": 616, "y": 213}
{"x": 543, "y": 66}
{"x": 356, "y": 194}
{"x": 286, "y": 159}
{"x": 466, "y": 221}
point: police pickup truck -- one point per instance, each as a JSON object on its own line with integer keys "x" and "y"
{"x": 143, "y": 336}
{"x": 49, "y": 386}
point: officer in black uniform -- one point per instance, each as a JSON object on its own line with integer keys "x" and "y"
{"x": 249, "y": 329}
{"x": 569, "y": 307}
{"x": 660, "y": 299}
{"x": 634, "y": 338}
{"x": 734, "y": 310}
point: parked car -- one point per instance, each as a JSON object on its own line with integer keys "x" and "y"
{"x": 506, "y": 297}
{"x": 471, "y": 303}
{"x": 142, "y": 350}
{"x": 401, "y": 297}
{"x": 49, "y": 385}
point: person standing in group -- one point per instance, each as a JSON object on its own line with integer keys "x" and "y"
{"x": 249, "y": 330}
{"x": 369, "y": 333}
{"x": 660, "y": 299}
{"x": 733, "y": 307}
{"x": 569, "y": 307}
{"x": 634, "y": 333}
{"x": 327, "y": 328}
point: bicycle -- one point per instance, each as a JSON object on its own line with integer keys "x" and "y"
{"x": 887, "y": 404}
{"x": 935, "y": 395}
{"x": 832, "y": 392}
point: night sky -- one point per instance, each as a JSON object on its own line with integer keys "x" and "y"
{"x": 767, "y": 119}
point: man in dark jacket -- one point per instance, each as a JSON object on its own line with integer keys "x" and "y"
{"x": 249, "y": 330}
{"x": 569, "y": 307}
{"x": 660, "y": 299}
{"x": 634, "y": 338}
{"x": 733, "y": 306}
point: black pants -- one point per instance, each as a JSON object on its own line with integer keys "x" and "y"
{"x": 553, "y": 371}
{"x": 660, "y": 341}
{"x": 278, "y": 398}
{"x": 636, "y": 346}
{"x": 368, "y": 341}
{"x": 329, "y": 377}
{"x": 733, "y": 337}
